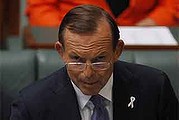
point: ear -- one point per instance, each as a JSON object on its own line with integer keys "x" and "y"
{"x": 59, "y": 48}
{"x": 118, "y": 50}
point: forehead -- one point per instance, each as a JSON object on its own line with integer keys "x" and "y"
{"x": 98, "y": 41}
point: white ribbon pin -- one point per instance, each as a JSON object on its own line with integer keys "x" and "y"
{"x": 131, "y": 102}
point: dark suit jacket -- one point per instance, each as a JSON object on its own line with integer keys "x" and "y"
{"x": 54, "y": 98}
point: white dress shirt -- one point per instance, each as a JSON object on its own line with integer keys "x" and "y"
{"x": 86, "y": 106}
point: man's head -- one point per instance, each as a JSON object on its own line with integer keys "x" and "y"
{"x": 89, "y": 44}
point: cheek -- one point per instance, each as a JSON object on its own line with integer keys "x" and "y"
{"x": 74, "y": 76}
{"x": 105, "y": 76}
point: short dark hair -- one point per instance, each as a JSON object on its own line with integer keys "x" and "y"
{"x": 83, "y": 19}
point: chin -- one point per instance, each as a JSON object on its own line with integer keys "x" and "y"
{"x": 89, "y": 92}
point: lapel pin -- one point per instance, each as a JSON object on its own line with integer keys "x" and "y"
{"x": 131, "y": 104}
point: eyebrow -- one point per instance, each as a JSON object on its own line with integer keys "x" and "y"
{"x": 73, "y": 54}
{"x": 102, "y": 53}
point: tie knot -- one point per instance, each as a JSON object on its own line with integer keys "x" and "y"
{"x": 97, "y": 100}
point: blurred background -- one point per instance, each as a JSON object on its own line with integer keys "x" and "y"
{"x": 28, "y": 30}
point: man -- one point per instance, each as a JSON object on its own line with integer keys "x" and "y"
{"x": 89, "y": 45}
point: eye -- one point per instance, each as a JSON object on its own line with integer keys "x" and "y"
{"x": 100, "y": 58}
{"x": 74, "y": 57}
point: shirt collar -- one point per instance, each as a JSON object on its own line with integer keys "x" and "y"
{"x": 106, "y": 92}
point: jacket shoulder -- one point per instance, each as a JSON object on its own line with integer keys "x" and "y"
{"x": 141, "y": 73}
{"x": 41, "y": 89}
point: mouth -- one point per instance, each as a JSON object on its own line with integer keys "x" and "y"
{"x": 90, "y": 83}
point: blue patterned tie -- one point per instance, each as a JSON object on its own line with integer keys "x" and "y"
{"x": 99, "y": 111}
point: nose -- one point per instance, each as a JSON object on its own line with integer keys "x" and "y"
{"x": 88, "y": 71}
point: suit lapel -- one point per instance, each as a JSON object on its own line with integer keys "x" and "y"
{"x": 65, "y": 105}
{"x": 125, "y": 86}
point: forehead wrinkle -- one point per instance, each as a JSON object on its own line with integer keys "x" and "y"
{"x": 94, "y": 44}
{"x": 88, "y": 49}
{"x": 88, "y": 43}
